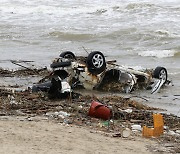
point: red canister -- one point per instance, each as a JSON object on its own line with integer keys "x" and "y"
{"x": 99, "y": 110}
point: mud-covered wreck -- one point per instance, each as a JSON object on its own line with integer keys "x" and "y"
{"x": 94, "y": 72}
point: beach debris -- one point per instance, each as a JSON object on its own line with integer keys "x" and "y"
{"x": 12, "y": 100}
{"x": 126, "y": 132}
{"x": 24, "y": 72}
{"x": 158, "y": 127}
{"x": 18, "y": 63}
{"x": 128, "y": 110}
{"x": 136, "y": 127}
{"x": 116, "y": 134}
{"x": 60, "y": 114}
{"x": 98, "y": 110}
{"x": 76, "y": 112}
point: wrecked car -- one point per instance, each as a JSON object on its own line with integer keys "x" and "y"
{"x": 94, "y": 72}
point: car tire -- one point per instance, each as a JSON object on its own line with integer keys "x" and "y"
{"x": 60, "y": 64}
{"x": 160, "y": 73}
{"x": 68, "y": 55}
{"x": 96, "y": 63}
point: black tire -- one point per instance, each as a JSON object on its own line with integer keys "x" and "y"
{"x": 68, "y": 55}
{"x": 96, "y": 62}
{"x": 42, "y": 87}
{"x": 160, "y": 73}
{"x": 60, "y": 64}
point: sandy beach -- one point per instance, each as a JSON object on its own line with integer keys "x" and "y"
{"x": 39, "y": 136}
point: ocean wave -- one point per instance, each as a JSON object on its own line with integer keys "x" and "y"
{"x": 133, "y": 6}
{"x": 71, "y": 36}
{"x": 174, "y": 73}
{"x": 159, "y": 53}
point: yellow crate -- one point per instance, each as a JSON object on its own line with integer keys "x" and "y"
{"x": 148, "y": 132}
{"x": 158, "y": 127}
{"x": 158, "y": 120}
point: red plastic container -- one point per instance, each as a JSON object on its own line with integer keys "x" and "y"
{"x": 99, "y": 110}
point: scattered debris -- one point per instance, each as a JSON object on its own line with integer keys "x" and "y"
{"x": 24, "y": 72}
{"x": 123, "y": 117}
{"x": 76, "y": 112}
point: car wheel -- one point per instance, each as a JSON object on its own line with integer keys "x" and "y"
{"x": 160, "y": 73}
{"x": 68, "y": 55}
{"x": 96, "y": 62}
{"x": 60, "y": 64}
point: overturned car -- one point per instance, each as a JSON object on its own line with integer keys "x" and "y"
{"x": 94, "y": 72}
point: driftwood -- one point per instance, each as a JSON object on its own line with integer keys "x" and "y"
{"x": 177, "y": 95}
{"x": 24, "y": 71}
{"x": 138, "y": 97}
{"x": 17, "y": 63}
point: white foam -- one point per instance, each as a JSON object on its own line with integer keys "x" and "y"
{"x": 175, "y": 73}
{"x": 137, "y": 68}
{"x": 158, "y": 53}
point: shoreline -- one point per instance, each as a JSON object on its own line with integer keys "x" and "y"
{"x": 21, "y": 79}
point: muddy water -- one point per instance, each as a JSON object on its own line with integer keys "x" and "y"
{"x": 142, "y": 33}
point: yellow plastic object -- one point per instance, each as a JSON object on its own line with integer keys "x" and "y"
{"x": 148, "y": 132}
{"x": 158, "y": 124}
{"x": 158, "y": 127}
{"x": 158, "y": 120}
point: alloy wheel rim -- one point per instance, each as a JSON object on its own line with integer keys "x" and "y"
{"x": 162, "y": 74}
{"x": 98, "y": 60}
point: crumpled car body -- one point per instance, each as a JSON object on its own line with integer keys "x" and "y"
{"x": 94, "y": 72}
